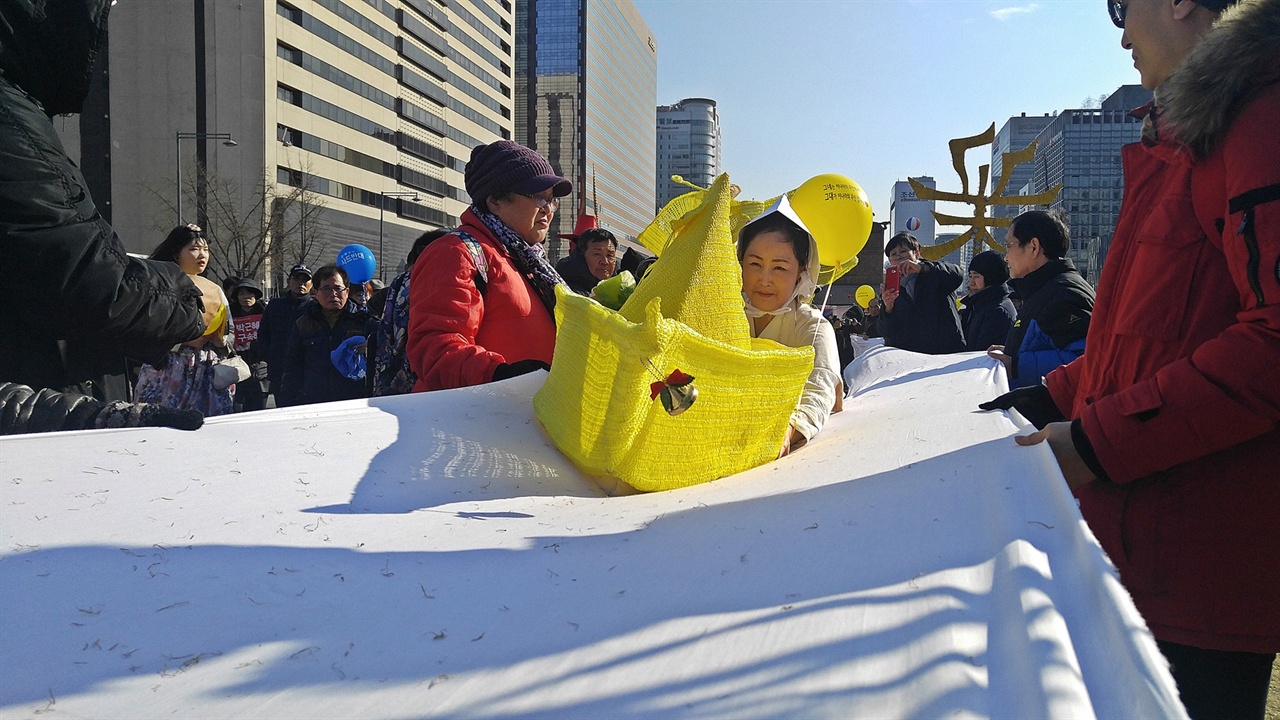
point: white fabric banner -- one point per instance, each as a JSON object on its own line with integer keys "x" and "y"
{"x": 433, "y": 555}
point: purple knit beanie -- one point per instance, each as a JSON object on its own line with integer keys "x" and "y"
{"x": 505, "y": 166}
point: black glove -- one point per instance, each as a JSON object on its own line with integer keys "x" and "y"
{"x": 520, "y": 367}
{"x": 1034, "y": 402}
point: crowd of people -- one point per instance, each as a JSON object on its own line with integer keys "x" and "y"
{"x": 1157, "y": 396}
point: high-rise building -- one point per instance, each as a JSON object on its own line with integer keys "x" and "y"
{"x": 688, "y": 145}
{"x": 586, "y": 79}
{"x": 353, "y": 120}
{"x": 908, "y": 213}
{"x": 1081, "y": 150}
{"x": 1016, "y": 134}
{"x": 961, "y": 255}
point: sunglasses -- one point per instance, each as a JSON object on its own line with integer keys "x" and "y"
{"x": 1117, "y": 8}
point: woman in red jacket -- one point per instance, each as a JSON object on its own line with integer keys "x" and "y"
{"x": 482, "y": 298}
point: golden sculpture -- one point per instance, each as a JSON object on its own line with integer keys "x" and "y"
{"x": 979, "y": 225}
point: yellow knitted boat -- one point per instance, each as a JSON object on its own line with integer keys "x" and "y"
{"x": 686, "y": 315}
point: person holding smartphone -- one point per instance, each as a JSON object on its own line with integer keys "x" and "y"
{"x": 919, "y": 311}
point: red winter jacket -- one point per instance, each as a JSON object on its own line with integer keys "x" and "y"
{"x": 457, "y": 335}
{"x": 1179, "y": 387}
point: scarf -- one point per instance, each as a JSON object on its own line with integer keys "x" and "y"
{"x": 530, "y": 260}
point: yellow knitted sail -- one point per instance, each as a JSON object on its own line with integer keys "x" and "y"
{"x": 686, "y": 315}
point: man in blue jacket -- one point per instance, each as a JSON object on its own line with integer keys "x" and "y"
{"x": 921, "y": 316}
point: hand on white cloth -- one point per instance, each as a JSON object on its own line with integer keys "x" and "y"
{"x": 1064, "y": 450}
{"x": 997, "y": 352}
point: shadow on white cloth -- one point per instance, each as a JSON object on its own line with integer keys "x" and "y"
{"x": 911, "y": 561}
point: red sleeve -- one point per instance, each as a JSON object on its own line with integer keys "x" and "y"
{"x": 1225, "y": 393}
{"x": 445, "y": 312}
{"x": 1062, "y": 382}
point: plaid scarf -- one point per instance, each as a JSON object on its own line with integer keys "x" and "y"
{"x": 530, "y": 260}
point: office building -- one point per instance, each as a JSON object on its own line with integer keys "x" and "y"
{"x": 1081, "y": 150}
{"x": 1016, "y": 134}
{"x": 908, "y": 213}
{"x": 961, "y": 255}
{"x": 586, "y": 79}
{"x": 353, "y": 120}
{"x": 689, "y": 145}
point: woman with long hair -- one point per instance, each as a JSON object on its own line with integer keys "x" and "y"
{"x": 186, "y": 380}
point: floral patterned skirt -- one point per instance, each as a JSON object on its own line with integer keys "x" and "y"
{"x": 185, "y": 382}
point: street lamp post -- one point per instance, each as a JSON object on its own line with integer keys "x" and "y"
{"x": 382, "y": 207}
{"x": 177, "y": 144}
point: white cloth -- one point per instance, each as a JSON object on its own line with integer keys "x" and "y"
{"x": 804, "y": 325}
{"x": 433, "y": 555}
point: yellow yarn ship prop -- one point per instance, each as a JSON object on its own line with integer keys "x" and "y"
{"x": 619, "y": 402}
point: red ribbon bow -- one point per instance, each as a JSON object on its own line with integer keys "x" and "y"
{"x": 675, "y": 379}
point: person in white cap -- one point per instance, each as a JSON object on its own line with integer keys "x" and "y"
{"x": 779, "y": 260}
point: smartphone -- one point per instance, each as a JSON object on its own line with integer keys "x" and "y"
{"x": 892, "y": 279}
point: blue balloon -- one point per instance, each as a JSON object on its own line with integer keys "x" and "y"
{"x": 359, "y": 263}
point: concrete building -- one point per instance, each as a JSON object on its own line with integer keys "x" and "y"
{"x": 1016, "y": 134}
{"x": 689, "y": 145}
{"x": 586, "y": 75}
{"x": 1081, "y": 149}
{"x": 908, "y": 213}
{"x": 348, "y": 116}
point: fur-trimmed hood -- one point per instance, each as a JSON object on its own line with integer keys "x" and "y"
{"x": 1237, "y": 57}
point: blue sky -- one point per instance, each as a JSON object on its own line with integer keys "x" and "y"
{"x": 874, "y": 89}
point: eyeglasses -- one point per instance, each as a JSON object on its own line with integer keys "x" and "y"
{"x": 549, "y": 203}
{"x": 1117, "y": 8}
{"x": 333, "y": 289}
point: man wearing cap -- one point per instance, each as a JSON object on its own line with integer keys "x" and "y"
{"x": 1170, "y": 431}
{"x": 278, "y": 321}
{"x": 483, "y": 296}
{"x": 574, "y": 267}
{"x": 594, "y": 258}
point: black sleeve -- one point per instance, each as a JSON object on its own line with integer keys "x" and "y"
{"x": 294, "y": 367}
{"x": 77, "y": 279}
{"x": 946, "y": 277}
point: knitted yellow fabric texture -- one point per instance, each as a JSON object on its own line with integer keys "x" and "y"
{"x": 686, "y": 314}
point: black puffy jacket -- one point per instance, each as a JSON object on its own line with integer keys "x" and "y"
{"x": 987, "y": 317}
{"x": 309, "y": 374}
{"x": 85, "y": 305}
{"x": 926, "y": 322}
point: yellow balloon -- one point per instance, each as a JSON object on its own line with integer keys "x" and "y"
{"x": 864, "y": 295}
{"x": 838, "y": 213}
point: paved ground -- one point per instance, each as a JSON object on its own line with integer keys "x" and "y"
{"x": 1273, "y": 699}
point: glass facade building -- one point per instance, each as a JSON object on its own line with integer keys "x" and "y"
{"x": 1017, "y": 134}
{"x": 586, "y": 78}
{"x": 689, "y": 145}
{"x": 1081, "y": 150}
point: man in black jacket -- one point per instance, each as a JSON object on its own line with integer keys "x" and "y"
{"x": 1057, "y": 302}
{"x": 86, "y": 305}
{"x": 328, "y": 320}
{"x": 921, "y": 316}
{"x": 278, "y": 319}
